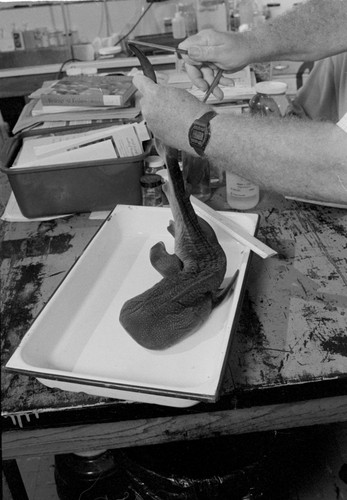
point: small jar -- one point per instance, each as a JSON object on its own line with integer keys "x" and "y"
{"x": 151, "y": 190}
{"x": 153, "y": 163}
{"x": 270, "y": 99}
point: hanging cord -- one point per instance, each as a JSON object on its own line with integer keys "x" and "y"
{"x": 137, "y": 22}
{"x": 117, "y": 43}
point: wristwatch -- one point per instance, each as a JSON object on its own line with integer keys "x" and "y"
{"x": 199, "y": 132}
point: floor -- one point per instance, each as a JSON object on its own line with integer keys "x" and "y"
{"x": 306, "y": 464}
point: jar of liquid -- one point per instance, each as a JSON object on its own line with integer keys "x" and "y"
{"x": 151, "y": 190}
{"x": 196, "y": 175}
{"x": 270, "y": 99}
{"x": 153, "y": 163}
{"x": 241, "y": 194}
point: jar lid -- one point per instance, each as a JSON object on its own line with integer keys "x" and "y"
{"x": 154, "y": 161}
{"x": 150, "y": 180}
{"x": 271, "y": 87}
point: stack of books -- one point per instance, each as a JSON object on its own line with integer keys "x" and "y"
{"x": 80, "y": 99}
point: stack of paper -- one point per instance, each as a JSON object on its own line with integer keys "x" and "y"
{"x": 101, "y": 144}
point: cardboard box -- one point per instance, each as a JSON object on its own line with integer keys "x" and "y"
{"x": 72, "y": 187}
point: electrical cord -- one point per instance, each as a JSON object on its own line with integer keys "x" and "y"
{"x": 135, "y": 25}
{"x": 60, "y": 72}
{"x": 117, "y": 43}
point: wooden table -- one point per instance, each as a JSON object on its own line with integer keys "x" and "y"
{"x": 287, "y": 367}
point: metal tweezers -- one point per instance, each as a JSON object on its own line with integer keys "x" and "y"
{"x": 181, "y": 51}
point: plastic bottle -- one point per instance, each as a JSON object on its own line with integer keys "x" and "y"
{"x": 178, "y": 26}
{"x": 241, "y": 194}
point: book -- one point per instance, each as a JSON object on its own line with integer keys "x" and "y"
{"x": 90, "y": 90}
{"x": 40, "y": 109}
{"x": 92, "y": 115}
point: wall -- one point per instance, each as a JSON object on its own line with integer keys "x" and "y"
{"x": 90, "y": 17}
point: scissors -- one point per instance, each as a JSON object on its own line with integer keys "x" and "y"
{"x": 180, "y": 51}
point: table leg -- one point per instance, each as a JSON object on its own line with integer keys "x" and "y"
{"x": 14, "y": 480}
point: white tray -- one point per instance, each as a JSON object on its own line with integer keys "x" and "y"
{"x": 77, "y": 343}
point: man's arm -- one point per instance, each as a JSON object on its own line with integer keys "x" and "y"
{"x": 291, "y": 156}
{"x": 312, "y": 30}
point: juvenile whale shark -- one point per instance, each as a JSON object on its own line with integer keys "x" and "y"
{"x": 183, "y": 299}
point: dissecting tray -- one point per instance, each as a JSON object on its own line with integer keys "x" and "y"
{"x": 76, "y": 342}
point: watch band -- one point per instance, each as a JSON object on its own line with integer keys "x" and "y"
{"x": 199, "y": 132}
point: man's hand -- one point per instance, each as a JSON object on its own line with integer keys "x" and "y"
{"x": 210, "y": 49}
{"x": 168, "y": 111}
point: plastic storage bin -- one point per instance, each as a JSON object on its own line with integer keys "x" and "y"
{"x": 73, "y": 187}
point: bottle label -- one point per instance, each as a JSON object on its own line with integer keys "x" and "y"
{"x": 242, "y": 189}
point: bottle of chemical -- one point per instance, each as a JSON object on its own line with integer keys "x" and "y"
{"x": 153, "y": 163}
{"x": 178, "y": 26}
{"x": 241, "y": 194}
{"x": 151, "y": 190}
{"x": 270, "y": 99}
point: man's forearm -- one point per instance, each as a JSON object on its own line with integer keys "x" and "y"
{"x": 290, "y": 156}
{"x": 313, "y": 30}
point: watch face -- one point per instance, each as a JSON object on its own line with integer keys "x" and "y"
{"x": 198, "y": 135}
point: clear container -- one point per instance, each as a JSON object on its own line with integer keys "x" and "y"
{"x": 213, "y": 14}
{"x": 270, "y": 99}
{"x": 151, "y": 190}
{"x": 241, "y": 194}
{"x": 196, "y": 174}
{"x": 187, "y": 8}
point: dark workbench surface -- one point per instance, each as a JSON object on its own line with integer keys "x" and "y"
{"x": 291, "y": 339}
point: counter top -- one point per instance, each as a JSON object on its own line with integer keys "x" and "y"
{"x": 100, "y": 64}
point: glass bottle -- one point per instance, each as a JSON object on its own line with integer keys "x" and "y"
{"x": 270, "y": 99}
{"x": 151, "y": 188}
{"x": 213, "y": 14}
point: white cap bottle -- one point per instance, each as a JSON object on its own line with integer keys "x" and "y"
{"x": 241, "y": 194}
{"x": 178, "y": 26}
